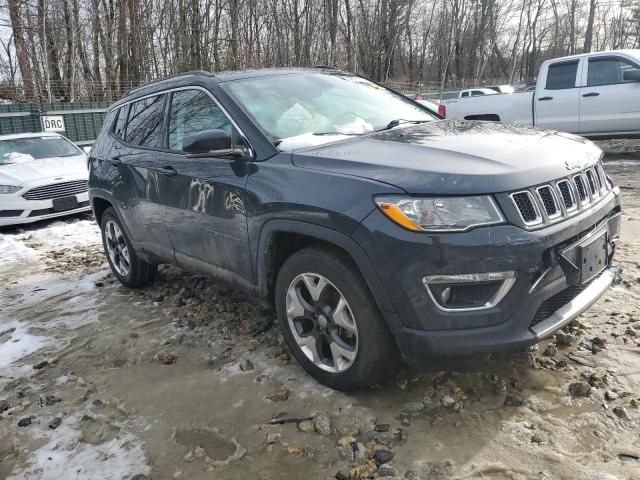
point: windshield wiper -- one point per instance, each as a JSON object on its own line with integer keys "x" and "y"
{"x": 399, "y": 121}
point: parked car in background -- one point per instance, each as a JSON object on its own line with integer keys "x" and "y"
{"x": 476, "y": 92}
{"x": 593, "y": 94}
{"x": 502, "y": 88}
{"x": 42, "y": 175}
{"x": 376, "y": 230}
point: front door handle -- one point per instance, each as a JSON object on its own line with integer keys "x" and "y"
{"x": 167, "y": 171}
{"x": 591, "y": 94}
{"x": 543, "y": 99}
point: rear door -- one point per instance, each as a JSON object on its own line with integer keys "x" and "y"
{"x": 203, "y": 198}
{"x": 607, "y": 102}
{"x": 138, "y": 129}
{"x": 557, "y": 101}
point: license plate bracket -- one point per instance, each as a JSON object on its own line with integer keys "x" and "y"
{"x": 65, "y": 203}
{"x": 593, "y": 256}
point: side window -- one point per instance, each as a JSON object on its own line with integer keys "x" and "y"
{"x": 194, "y": 111}
{"x": 562, "y": 76}
{"x": 144, "y": 125}
{"x": 477, "y": 93}
{"x": 607, "y": 71}
{"x": 465, "y": 94}
{"x": 121, "y": 120}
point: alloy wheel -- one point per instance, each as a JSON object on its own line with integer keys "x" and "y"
{"x": 321, "y": 322}
{"x": 117, "y": 248}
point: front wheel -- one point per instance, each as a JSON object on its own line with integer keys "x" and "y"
{"x": 123, "y": 260}
{"x": 330, "y": 321}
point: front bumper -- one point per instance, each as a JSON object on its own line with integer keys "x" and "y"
{"x": 533, "y": 309}
{"x": 18, "y": 211}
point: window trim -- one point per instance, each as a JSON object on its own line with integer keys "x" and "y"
{"x": 576, "y": 80}
{"x": 167, "y": 92}
{"x": 604, "y": 58}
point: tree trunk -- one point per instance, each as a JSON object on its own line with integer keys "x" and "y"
{"x": 21, "y": 48}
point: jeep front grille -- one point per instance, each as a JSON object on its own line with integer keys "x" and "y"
{"x": 549, "y": 203}
{"x": 56, "y": 190}
{"x": 566, "y": 193}
{"x": 552, "y": 202}
{"x": 578, "y": 180}
{"x": 526, "y": 207}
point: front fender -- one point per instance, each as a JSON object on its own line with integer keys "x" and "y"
{"x": 330, "y": 236}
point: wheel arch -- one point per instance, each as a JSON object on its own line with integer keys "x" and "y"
{"x": 281, "y": 238}
{"x": 99, "y": 205}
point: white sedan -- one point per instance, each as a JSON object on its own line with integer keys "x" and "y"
{"x": 42, "y": 175}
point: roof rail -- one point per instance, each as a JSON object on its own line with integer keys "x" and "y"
{"x": 170, "y": 77}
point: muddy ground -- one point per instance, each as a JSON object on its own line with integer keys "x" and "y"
{"x": 184, "y": 380}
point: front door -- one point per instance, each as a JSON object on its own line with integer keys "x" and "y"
{"x": 203, "y": 198}
{"x": 608, "y": 103}
{"x": 556, "y": 102}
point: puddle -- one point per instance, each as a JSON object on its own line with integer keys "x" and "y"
{"x": 217, "y": 448}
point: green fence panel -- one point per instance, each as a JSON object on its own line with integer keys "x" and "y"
{"x": 82, "y": 120}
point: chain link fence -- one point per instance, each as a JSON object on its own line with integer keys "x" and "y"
{"x": 436, "y": 92}
{"x": 80, "y": 121}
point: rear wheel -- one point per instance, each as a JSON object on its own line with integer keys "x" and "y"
{"x": 123, "y": 260}
{"x": 330, "y": 321}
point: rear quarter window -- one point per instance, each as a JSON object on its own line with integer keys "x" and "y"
{"x": 121, "y": 121}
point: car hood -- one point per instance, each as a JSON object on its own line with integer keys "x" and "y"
{"x": 23, "y": 170}
{"x": 455, "y": 157}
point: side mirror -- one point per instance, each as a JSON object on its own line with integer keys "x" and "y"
{"x": 211, "y": 143}
{"x": 86, "y": 149}
{"x": 631, "y": 75}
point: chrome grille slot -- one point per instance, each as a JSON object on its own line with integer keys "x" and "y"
{"x": 56, "y": 190}
{"x": 604, "y": 184}
{"x": 578, "y": 181}
{"x": 591, "y": 180}
{"x": 549, "y": 203}
{"x": 567, "y": 195}
{"x": 527, "y": 208}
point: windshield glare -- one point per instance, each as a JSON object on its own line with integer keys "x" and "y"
{"x": 322, "y": 104}
{"x": 37, "y": 147}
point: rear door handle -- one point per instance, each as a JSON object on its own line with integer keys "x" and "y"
{"x": 167, "y": 171}
{"x": 542, "y": 99}
{"x": 591, "y": 94}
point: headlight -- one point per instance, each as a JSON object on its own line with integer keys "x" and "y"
{"x": 436, "y": 214}
{"x": 9, "y": 188}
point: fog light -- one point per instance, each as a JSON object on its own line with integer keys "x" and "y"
{"x": 446, "y": 295}
{"x": 468, "y": 292}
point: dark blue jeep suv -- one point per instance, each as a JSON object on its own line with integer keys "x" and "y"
{"x": 378, "y": 230}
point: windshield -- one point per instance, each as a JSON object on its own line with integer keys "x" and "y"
{"x": 36, "y": 148}
{"x": 287, "y": 106}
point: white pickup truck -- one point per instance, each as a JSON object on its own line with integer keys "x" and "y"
{"x": 593, "y": 94}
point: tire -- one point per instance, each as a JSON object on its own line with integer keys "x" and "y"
{"x": 318, "y": 326}
{"x": 125, "y": 264}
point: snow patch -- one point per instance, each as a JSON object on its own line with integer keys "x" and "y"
{"x": 64, "y": 456}
{"x": 306, "y": 140}
{"x": 18, "y": 345}
{"x": 30, "y": 244}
